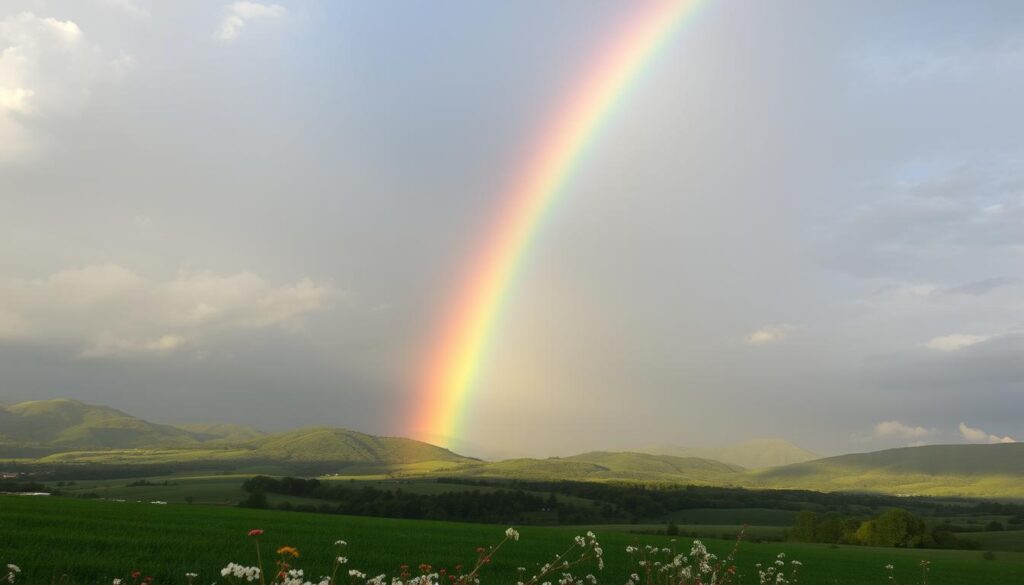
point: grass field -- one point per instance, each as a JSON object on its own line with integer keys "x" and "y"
{"x": 1008, "y": 540}
{"x": 226, "y": 489}
{"x": 94, "y": 541}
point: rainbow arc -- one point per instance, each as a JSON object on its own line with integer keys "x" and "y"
{"x": 460, "y": 347}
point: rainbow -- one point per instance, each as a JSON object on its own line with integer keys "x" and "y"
{"x": 447, "y": 379}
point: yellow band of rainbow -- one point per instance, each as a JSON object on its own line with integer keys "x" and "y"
{"x": 457, "y": 352}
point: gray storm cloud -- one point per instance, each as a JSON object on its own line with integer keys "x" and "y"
{"x": 255, "y": 211}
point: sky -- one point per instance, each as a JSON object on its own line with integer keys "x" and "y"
{"x": 804, "y": 220}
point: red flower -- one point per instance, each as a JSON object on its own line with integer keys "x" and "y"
{"x": 255, "y": 532}
{"x": 136, "y": 574}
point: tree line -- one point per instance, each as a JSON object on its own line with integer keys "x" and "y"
{"x": 893, "y": 528}
{"x": 492, "y": 506}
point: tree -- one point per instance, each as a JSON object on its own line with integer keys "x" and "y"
{"x": 897, "y": 528}
{"x": 256, "y": 499}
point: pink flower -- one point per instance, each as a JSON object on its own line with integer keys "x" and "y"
{"x": 255, "y": 532}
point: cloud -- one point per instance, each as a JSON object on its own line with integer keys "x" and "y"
{"x": 980, "y": 287}
{"x": 131, "y": 7}
{"x": 769, "y": 334}
{"x": 972, "y": 435}
{"x": 47, "y": 71}
{"x": 901, "y": 64}
{"x": 894, "y": 428}
{"x": 108, "y": 310}
{"x": 956, "y": 341}
{"x": 238, "y": 15}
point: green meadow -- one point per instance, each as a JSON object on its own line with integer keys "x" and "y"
{"x": 96, "y": 541}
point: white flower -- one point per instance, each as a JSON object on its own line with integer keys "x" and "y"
{"x": 512, "y": 533}
{"x": 14, "y": 568}
{"x": 342, "y": 560}
{"x": 340, "y": 543}
{"x": 117, "y": 582}
{"x": 356, "y": 574}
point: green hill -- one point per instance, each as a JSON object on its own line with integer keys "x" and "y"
{"x": 611, "y": 466}
{"x": 222, "y": 431}
{"x": 938, "y": 470}
{"x": 64, "y": 424}
{"x": 753, "y": 454}
{"x": 324, "y": 444}
{"x": 68, "y": 431}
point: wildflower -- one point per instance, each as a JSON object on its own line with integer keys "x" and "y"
{"x": 340, "y": 543}
{"x": 255, "y": 532}
{"x": 116, "y": 582}
{"x": 250, "y": 574}
{"x": 512, "y": 533}
{"x": 342, "y": 560}
{"x": 356, "y": 574}
{"x": 288, "y": 551}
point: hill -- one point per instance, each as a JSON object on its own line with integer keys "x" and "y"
{"x": 69, "y": 431}
{"x": 222, "y": 431}
{"x": 752, "y": 454}
{"x": 938, "y": 470}
{"x": 611, "y": 466}
{"x": 325, "y": 444}
{"x": 65, "y": 424}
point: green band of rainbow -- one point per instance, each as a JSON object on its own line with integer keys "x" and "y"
{"x": 461, "y": 347}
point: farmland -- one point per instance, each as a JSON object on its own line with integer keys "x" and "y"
{"x": 95, "y": 541}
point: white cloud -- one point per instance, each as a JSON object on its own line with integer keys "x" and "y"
{"x": 972, "y": 435}
{"x": 131, "y": 7}
{"x": 47, "y": 70}
{"x": 894, "y": 428}
{"x": 109, "y": 310}
{"x": 238, "y": 15}
{"x": 956, "y": 341}
{"x": 769, "y": 334}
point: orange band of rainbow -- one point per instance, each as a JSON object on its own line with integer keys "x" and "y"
{"x": 460, "y": 347}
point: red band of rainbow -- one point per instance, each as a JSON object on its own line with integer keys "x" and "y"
{"x": 460, "y": 347}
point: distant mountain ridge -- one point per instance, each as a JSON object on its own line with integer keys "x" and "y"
{"x": 610, "y": 466}
{"x": 752, "y": 454}
{"x": 65, "y": 430}
{"x": 64, "y": 424}
{"x": 70, "y": 432}
{"x": 940, "y": 470}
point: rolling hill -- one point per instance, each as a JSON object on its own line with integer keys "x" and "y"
{"x": 222, "y": 431}
{"x": 63, "y": 424}
{"x": 752, "y": 454}
{"x": 68, "y": 431}
{"x": 937, "y": 470}
{"x": 611, "y": 466}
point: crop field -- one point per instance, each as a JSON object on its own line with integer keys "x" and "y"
{"x": 226, "y": 489}
{"x": 1004, "y": 540}
{"x": 751, "y": 516}
{"x": 95, "y": 541}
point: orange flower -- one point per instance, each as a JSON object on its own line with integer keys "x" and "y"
{"x": 288, "y": 551}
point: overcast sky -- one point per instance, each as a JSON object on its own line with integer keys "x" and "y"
{"x": 805, "y": 220}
